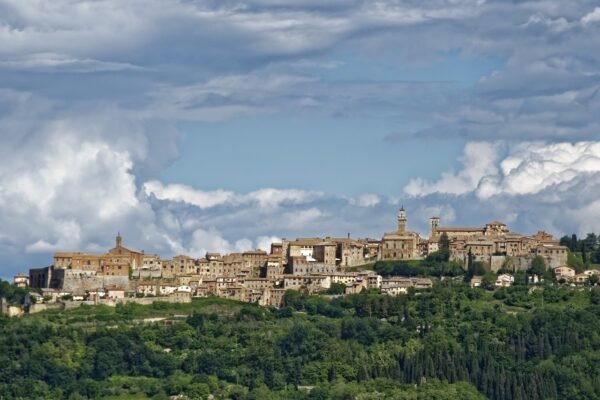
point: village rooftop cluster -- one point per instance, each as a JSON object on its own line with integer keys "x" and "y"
{"x": 309, "y": 264}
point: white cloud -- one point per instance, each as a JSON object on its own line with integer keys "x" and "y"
{"x": 266, "y": 199}
{"x": 264, "y": 242}
{"x": 533, "y": 167}
{"x": 186, "y": 194}
{"x": 270, "y": 198}
{"x": 591, "y": 17}
{"x": 366, "y": 200}
{"x": 479, "y": 161}
{"x": 51, "y": 62}
{"x": 303, "y": 218}
{"x": 204, "y": 241}
{"x": 536, "y": 185}
{"x": 529, "y": 168}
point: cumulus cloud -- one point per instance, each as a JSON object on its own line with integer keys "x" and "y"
{"x": 592, "y": 16}
{"x": 533, "y": 167}
{"x": 266, "y": 199}
{"x": 264, "y": 242}
{"x": 70, "y": 181}
{"x": 529, "y": 168}
{"x": 187, "y": 194}
{"x": 479, "y": 162}
{"x": 366, "y": 200}
{"x": 535, "y": 185}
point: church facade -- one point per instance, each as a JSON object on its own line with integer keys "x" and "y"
{"x": 401, "y": 244}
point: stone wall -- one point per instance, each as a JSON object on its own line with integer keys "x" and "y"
{"x": 136, "y": 300}
{"x": 147, "y": 273}
{"x": 80, "y": 281}
{"x": 39, "y": 307}
{"x": 496, "y": 262}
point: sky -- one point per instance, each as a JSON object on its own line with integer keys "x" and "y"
{"x": 191, "y": 126}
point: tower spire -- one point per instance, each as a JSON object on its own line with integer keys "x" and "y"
{"x": 402, "y": 219}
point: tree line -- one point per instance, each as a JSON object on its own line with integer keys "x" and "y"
{"x": 451, "y": 342}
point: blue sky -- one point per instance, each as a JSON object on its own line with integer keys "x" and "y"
{"x": 224, "y": 125}
{"x": 317, "y": 153}
{"x": 337, "y": 153}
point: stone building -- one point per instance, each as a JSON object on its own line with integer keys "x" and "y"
{"x": 554, "y": 255}
{"x": 349, "y": 252}
{"x": 301, "y": 266}
{"x": 273, "y": 267}
{"x": 119, "y": 259}
{"x": 179, "y": 265}
{"x": 255, "y": 260}
{"x": 401, "y": 244}
{"x": 21, "y": 280}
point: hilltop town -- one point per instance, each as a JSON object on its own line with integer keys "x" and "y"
{"x": 312, "y": 265}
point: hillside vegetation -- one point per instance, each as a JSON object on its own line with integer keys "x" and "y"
{"x": 452, "y": 342}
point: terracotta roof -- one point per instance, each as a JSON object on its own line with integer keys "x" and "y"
{"x": 459, "y": 229}
{"x": 400, "y": 235}
{"x": 255, "y": 252}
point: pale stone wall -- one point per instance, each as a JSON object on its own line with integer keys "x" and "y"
{"x": 302, "y": 269}
{"x": 136, "y": 300}
{"x": 80, "y": 281}
{"x": 147, "y": 273}
{"x": 39, "y": 307}
{"x": 497, "y": 262}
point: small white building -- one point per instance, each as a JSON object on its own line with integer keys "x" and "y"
{"x": 115, "y": 293}
{"x": 21, "y": 280}
{"x": 184, "y": 289}
{"x": 166, "y": 289}
{"x": 590, "y": 272}
{"x": 580, "y": 278}
{"x": 504, "y": 280}
{"x": 476, "y": 281}
{"x": 564, "y": 272}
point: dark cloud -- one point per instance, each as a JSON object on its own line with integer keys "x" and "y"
{"x": 543, "y": 88}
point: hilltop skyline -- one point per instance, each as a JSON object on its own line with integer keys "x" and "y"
{"x": 204, "y": 125}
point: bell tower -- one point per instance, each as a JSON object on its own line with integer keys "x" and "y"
{"x": 119, "y": 240}
{"x": 434, "y": 223}
{"x": 402, "y": 220}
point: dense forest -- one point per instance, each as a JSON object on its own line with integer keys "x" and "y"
{"x": 582, "y": 252}
{"x": 451, "y": 342}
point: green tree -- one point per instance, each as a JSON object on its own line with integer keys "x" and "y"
{"x": 479, "y": 268}
{"x": 574, "y": 243}
{"x": 538, "y": 267}
{"x": 336, "y": 288}
{"x": 444, "y": 246}
{"x": 575, "y": 262}
{"x": 489, "y": 281}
